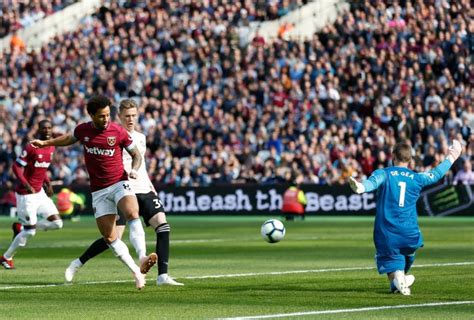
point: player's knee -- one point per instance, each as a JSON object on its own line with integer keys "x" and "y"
{"x": 157, "y": 220}
{"x": 29, "y": 233}
{"x": 161, "y": 216}
{"x": 109, "y": 239}
{"x": 130, "y": 214}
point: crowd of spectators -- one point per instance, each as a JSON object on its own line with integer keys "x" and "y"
{"x": 17, "y": 14}
{"x": 216, "y": 110}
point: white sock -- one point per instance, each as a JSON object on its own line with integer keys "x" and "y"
{"x": 77, "y": 262}
{"x": 44, "y": 225}
{"x": 20, "y": 241}
{"x": 120, "y": 250}
{"x": 137, "y": 237}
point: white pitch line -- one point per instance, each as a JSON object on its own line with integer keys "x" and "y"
{"x": 238, "y": 275}
{"x": 277, "y": 273}
{"x": 41, "y": 286}
{"x": 319, "y": 271}
{"x": 198, "y": 241}
{"x": 312, "y": 313}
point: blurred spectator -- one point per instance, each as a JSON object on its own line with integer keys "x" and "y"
{"x": 465, "y": 175}
{"x": 16, "y": 43}
{"x": 8, "y": 200}
{"x": 367, "y": 162}
{"x": 294, "y": 200}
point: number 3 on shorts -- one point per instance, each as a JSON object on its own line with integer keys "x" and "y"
{"x": 158, "y": 203}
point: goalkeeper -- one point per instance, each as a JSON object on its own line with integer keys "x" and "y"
{"x": 396, "y": 232}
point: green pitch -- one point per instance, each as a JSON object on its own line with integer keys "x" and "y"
{"x": 323, "y": 269}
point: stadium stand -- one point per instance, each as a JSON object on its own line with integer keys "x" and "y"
{"x": 16, "y": 14}
{"x": 218, "y": 112}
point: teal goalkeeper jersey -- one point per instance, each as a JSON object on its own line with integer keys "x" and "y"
{"x": 398, "y": 189}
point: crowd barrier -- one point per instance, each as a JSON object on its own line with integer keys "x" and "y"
{"x": 439, "y": 200}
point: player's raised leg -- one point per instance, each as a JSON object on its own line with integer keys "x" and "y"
{"x": 53, "y": 222}
{"x": 47, "y": 210}
{"x": 105, "y": 207}
{"x": 106, "y": 225}
{"x": 129, "y": 206}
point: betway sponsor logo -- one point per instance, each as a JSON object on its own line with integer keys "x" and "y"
{"x": 99, "y": 151}
{"x": 41, "y": 164}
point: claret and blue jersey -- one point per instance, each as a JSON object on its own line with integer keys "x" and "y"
{"x": 398, "y": 189}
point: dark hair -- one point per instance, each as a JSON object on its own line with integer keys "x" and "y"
{"x": 402, "y": 152}
{"x": 43, "y": 122}
{"x": 97, "y": 102}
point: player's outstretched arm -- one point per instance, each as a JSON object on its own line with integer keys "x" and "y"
{"x": 61, "y": 141}
{"x": 372, "y": 183}
{"x": 437, "y": 173}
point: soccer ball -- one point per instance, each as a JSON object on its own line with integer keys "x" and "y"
{"x": 273, "y": 230}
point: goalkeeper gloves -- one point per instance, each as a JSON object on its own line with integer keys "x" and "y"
{"x": 356, "y": 186}
{"x": 454, "y": 151}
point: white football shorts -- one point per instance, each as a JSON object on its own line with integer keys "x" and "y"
{"x": 104, "y": 201}
{"x": 29, "y": 206}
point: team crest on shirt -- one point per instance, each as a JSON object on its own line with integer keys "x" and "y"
{"x": 111, "y": 141}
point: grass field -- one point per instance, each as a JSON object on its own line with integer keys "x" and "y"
{"x": 323, "y": 269}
